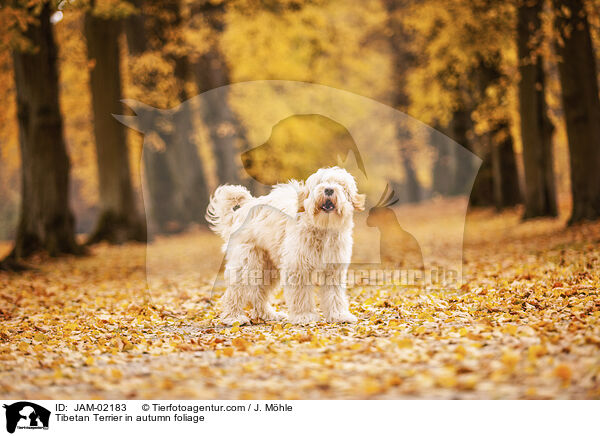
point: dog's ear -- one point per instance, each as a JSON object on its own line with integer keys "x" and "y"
{"x": 358, "y": 201}
{"x": 302, "y": 195}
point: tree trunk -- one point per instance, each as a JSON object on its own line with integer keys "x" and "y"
{"x": 135, "y": 32}
{"x": 45, "y": 222}
{"x": 413, "y": 187}
{"x": 482, "y": 192}
{"x": 160, "y": 204}
{"x": 182, "y": 153}
{"x": 403, "y": 60}
{"x": 119, "y": 220}
{"x": 460, "y": 125}
{"x": 220, "y": 120}
{"x": 178, "y": 181}
{"x": 211, "y": 71}
{"x": 499, "y": 146}
{"x": 186, "y": 167}
{"x": 163, "y": 207}
{"x": 536, "y": 127}
{"x": 443, "y": 170}
{"x": 507, "y": 192}
{"x": 581, "y": 105}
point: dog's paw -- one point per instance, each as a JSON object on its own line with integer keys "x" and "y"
{"x": 342, "y": 317}
{"x": 269, "y": 315}
{"x": 232, "y": 319}
{"x": 304, "y": 318}
{"x": 276, "y": 316}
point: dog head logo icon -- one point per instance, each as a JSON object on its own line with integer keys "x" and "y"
{"x": 26, "y": 415}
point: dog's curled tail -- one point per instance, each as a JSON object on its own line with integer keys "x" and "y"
{"x": 223, "y": 204}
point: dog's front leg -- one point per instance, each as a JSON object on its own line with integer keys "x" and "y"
{"x": 233, "y": 306}
{"x": 298, "y": 293}
{"x": 301, "y": 304}
{"x": 334, "y": 300}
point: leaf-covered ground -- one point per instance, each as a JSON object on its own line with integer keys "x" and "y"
{"x": 526, "y": 324}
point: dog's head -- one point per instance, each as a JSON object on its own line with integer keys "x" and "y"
{"x": 329, "y": 198}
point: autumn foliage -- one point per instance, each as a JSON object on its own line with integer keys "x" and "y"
{"x": 523, "y": 325}
{"x": 514, "y": 82}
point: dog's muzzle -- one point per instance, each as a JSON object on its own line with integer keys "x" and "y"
{"x": 328, "y": 206}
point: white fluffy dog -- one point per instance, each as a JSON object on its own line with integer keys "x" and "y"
{"x": 298, "y": 232}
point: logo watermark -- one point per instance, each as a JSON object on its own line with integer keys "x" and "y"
{"x": 411, "y": 174}
{"x": 24, "y": 415}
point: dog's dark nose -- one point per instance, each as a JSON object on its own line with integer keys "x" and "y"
{"x": 328, "y": 192}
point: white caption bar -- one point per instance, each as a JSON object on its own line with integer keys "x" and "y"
{"x": 279, "y": 418}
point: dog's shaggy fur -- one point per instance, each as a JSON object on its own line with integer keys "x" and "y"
{"x": 291, "y": 234}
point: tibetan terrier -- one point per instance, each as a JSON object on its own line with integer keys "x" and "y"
{"x": 299, "y": 235}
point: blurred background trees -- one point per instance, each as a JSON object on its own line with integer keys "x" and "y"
{"x": 515, "y": 82}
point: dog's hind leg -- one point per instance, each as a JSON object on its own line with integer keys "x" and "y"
{"x": 263, "y": 278}
{"x": 237, "y": 279}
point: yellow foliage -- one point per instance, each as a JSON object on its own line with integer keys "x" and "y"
{"x": 83, "y": 321}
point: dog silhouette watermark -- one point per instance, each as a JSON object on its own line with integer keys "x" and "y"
{"x": 387, "y": 151}
{"x": 25, "y": 415}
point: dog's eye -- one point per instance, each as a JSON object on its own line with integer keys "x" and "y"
{"x": 236, "y": 207}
